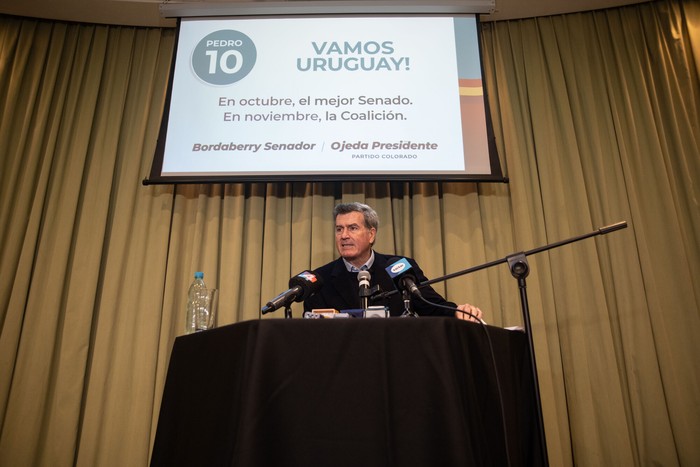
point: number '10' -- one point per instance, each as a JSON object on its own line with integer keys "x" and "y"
{"x": 223, "y": 61}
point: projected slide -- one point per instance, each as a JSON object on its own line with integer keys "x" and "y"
{"x": 326, "y": 96}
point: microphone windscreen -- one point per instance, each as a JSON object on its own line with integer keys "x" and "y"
{"x": 364, "y": 276}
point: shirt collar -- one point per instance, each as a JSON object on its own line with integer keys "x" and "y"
{"x": 351, "y": 268}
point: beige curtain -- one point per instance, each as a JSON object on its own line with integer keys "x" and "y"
{"x": 597, "y": 120}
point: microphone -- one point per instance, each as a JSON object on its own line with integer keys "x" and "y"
{"x": 401, "y": 272}
{"x": 301, "y": 287}
{"x": 363, "y": 277}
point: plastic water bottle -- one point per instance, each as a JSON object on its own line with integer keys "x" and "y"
{"x": 197, "y": 313}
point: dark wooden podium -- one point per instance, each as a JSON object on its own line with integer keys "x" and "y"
{"x": 348, "y": 392}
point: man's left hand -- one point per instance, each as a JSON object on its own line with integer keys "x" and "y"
{"x": 470, "y": 313}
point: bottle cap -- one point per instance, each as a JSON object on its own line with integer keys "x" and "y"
{"x": 199, "y": 275}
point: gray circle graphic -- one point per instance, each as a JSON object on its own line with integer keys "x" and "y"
{"x": 224, "y": 57}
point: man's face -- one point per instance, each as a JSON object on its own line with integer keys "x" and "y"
{"x": 352, "y": 238}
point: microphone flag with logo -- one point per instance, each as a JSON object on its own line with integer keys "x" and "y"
{"x": 401, "y": 273}
{"x": 301, "y": 287}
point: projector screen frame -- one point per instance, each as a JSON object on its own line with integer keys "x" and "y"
{"x": 331, "y": 7}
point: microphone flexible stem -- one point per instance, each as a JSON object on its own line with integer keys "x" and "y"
{"x": 364, "y": 302}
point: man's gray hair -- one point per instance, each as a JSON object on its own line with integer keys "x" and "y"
{"x": 370, "y": 215}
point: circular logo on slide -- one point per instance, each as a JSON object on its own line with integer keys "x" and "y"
{"x": 224, "y": 57}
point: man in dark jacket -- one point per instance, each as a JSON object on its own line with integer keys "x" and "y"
{"x": 356, "y": 227}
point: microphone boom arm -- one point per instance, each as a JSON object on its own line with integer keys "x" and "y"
{"x": 601, "y": 231}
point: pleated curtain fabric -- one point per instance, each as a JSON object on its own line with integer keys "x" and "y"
{"x": 596, "y": 117}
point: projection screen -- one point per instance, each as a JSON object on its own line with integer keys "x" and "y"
{"x": 319, "y": 97}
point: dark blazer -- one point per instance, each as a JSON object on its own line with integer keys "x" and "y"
{"x": 341, "y": 290}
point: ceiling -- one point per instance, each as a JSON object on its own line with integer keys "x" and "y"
{"x": 146, "y": 12}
